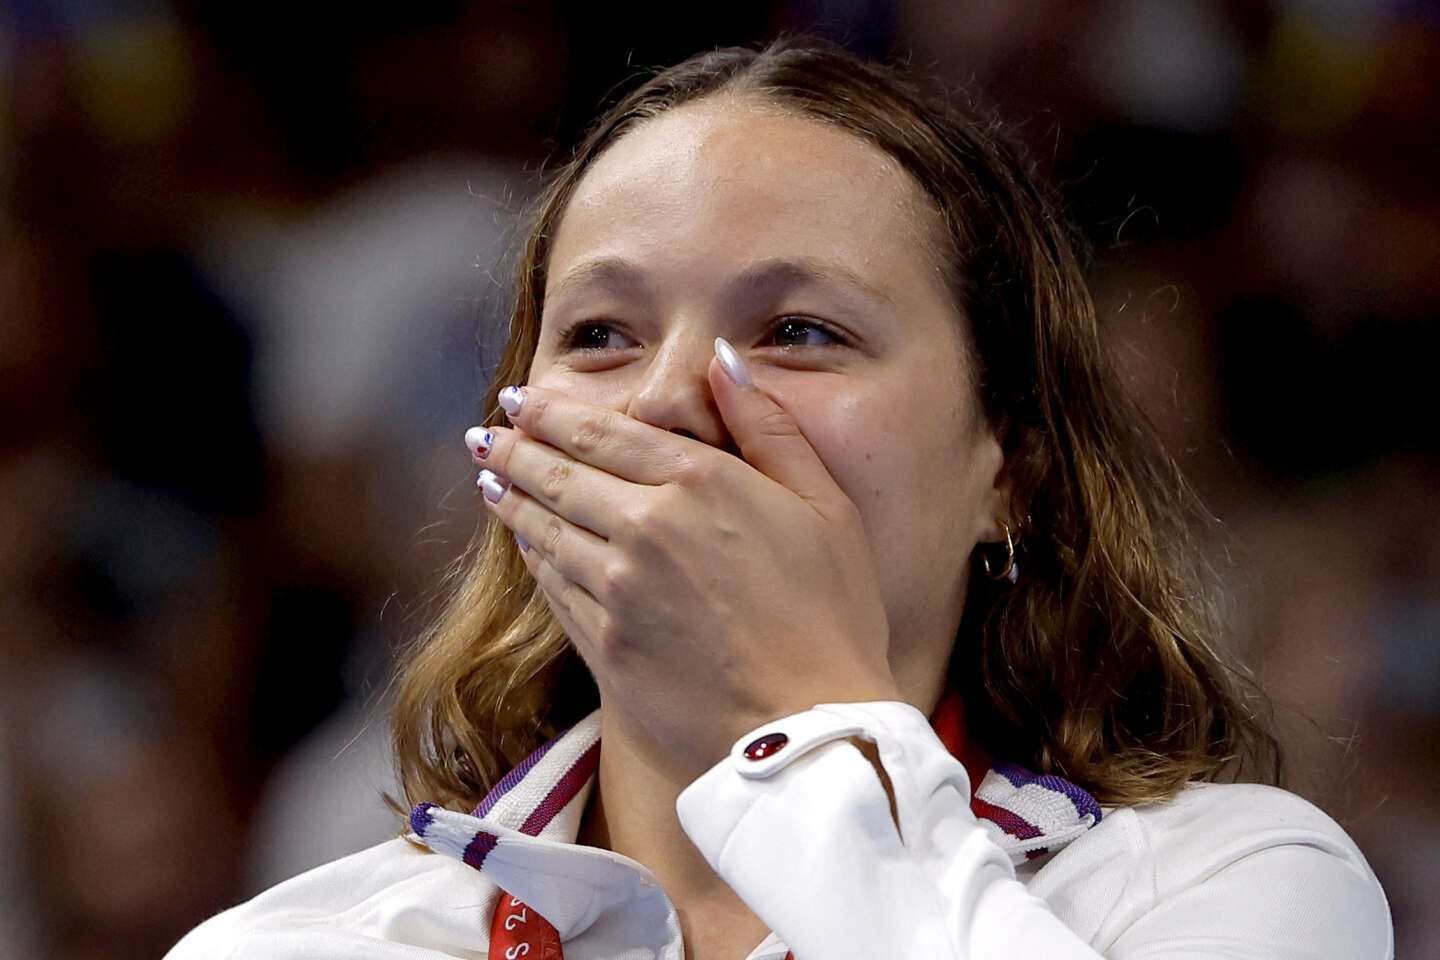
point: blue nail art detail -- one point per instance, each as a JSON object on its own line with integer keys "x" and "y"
{"x": 511, "y": 399}
{"x": 478, "y": 441}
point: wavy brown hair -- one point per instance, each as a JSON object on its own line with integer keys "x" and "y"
{"x": 1098, "y": 665}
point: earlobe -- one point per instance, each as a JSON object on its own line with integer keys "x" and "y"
{"x": 998, "y": 507}
{"x": 1003, "y": 520}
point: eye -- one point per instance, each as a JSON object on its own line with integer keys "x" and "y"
{"x": 800, "y": 332}
{"x": 590, "y": 335}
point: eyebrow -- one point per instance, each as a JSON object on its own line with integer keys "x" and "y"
{"x": 601, "y": 271}
{"x": 760, "y": 279}
{"x": 772, "y": 275}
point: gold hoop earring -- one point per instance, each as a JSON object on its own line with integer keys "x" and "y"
{"x": 1011, "y": 570}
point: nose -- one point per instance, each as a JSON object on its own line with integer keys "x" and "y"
{"x": 674, "y": 393}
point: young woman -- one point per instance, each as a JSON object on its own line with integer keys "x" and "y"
{"x": 811, "y": 507}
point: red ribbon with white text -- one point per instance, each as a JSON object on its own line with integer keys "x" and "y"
{"x": 519, "y": 932}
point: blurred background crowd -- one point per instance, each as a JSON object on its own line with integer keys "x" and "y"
{"x": 250, "y": 285}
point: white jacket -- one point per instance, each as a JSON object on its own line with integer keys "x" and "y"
{"x": 806, "y": 838}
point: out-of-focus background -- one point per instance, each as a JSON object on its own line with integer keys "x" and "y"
{"x": 248, "y": 288}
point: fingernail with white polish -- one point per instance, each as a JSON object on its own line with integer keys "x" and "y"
{"x": 490, "y": 485}
{"x": 520, "y": 542}
{"x": 732, "y": 363}
{"x": 478, "y": 440}
{"x": 510, "y": 400}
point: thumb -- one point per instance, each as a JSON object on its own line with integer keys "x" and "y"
{"x": 768, "y": 437}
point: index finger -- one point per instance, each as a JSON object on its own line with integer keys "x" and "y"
{"x": 603, "y": 438}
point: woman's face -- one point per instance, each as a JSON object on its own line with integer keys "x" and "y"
{"x": 808, "y": 249}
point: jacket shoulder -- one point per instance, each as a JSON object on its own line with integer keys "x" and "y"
{"x": 1219, "y": 823}
{"x": 382, "y": 902}
{"x": 1271, "y": 861}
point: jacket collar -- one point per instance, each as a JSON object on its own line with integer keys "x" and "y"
{"x": 1026, "y": 814}
{"x": 522, "y": 835}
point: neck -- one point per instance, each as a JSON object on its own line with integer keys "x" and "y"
{"x": 632, "y": 812}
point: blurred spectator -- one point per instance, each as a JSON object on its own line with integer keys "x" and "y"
{"x": 242, "y": 274}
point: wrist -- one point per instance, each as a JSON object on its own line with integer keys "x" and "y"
{"x": 871, "y": 752}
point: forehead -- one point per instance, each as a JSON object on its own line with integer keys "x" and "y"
{"x": 740, "y": 179}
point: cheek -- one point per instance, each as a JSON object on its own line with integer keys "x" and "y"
{"x": 610, "y": 392}
{"x": 905, "y": 467}
{"x": 882, "y": 457}
{"x": 853, "y": 434}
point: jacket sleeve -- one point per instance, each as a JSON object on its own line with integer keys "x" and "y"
{"x": 805, "y": 836}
